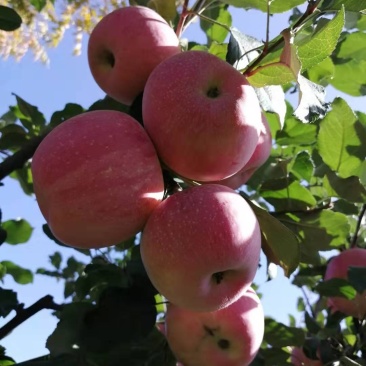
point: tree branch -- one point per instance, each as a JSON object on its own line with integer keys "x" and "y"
{"x": 358, "y": 226}
{"x": 22, "y": 315}
{"x": 19, "y": 158}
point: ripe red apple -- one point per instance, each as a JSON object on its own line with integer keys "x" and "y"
{"x": 201, "y": 247}
{"x": 298, "y": 358}
{"x": 202, "y": 116}
{"x": 97, "y": 179}
{"x": 125, "y": 46}
{"x": 259, "y": 157}
{"x": 227, "y": 337}
{"x": 338, "y": 268}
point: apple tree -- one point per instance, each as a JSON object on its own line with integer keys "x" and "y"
{"x": 306, "y": 189}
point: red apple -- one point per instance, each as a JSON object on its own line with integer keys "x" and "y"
{"x": 338, "y": 268}
{"x": 97, "y": 179}
{"x": 298, "y": 358}
{"x": 259, "y": 157}
{"x": 202, "y": 116}
{"x": 227, "y": 337}
{"x": 201, "y": 247}
{"x": 125, "y": 46}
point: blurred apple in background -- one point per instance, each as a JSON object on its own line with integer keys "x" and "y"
{"x": 124, "y": 48}
{"x": 338, "y": 268}
{"x": 227, "y": 337}
{"x": 201, "y": 247}
{"x": 202, "y": 116}
{"x": 97, "y": 179}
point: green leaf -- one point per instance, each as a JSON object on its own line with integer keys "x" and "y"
{"x": 12, "y": 137}
{"x": 322, "y": 73}
{"x": 272, "y": 74}
{"x": 38, "y": 4}
{"x": 339, "y": 143}
{"x": 336, "y": 287}
{"x": 70, "y": 110}
{"x": 2, "y": 271}
{"x": 215, "y": 32}
{"x": 350, "y": 77}
{"x": 24, "y": 177}
{"x": 296, "y": 133}
{"x": 20, "y": 275}
{"x": 352, "y": 47}
{"x": 349, "y": 5}
{"x": 65, "y": 338}
{"x": 350, "y": 189}
{"x": 32, "y": 115}
{"x": 8, "y": 301}
{"x": 56, "y": 259}
{"x": 280, "y": 335}
{"x": 317, "y": 231}
{"x": 277, "y": 6}
{"x": 322, "y": 43}
{"x": 303, "y": 167}
{"x": 292, "y": 196}
{"x": 18, "y": 231}
{"x": 281, "y": 245}
{"x": 357, "y": 278}
{"x": 9, "y": 19}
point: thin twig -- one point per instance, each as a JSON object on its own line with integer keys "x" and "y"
{"x": 358, "y": 226}
{"x": 182, "y": 19}
{"x": 24, "y": 314}
{"x": 19, "y": 158}
{"x": 312, "y": 6}
{"x": 308, "y": 303}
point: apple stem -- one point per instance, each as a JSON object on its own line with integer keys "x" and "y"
{"x": 358, "y": 226}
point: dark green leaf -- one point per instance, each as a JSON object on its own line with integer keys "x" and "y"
{"x": 20, "y": 275}
{"x": 110, "y": 104}
{"x": 303, "y": 167}
{"x": 70, "y": 110}
{"x": 66, "y": 337}
{"x": 32, "y": 113}
{"x": 3, "y": 235}
{"x": 351, "y": 189}
{"x": 12, "y": 137}
{"x": 280, "y": 335}
{"x": 9, "y": 19}
{"x": 322, "y": 230}
{"x": 351, "y": 47}
{"x": 311, "y": 324}
{"x": 322, "y": 73}
{"x": 281, "y": 245}
{"x": 8, "y": 301}
{"x": 18, "y": 231}
{"x": 349, "y": 5}
{"x": 56, "y": 259}
{"x": 25, "y": 179}
{"x": 357, "y": 278}
{"x": 336, "y": 287}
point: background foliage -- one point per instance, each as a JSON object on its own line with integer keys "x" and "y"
{"x": 309, "y": 196}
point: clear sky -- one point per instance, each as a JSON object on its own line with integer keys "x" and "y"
{"x": 68, "y": 79}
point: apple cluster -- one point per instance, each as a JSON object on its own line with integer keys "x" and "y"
{"x": 98, "y": 181}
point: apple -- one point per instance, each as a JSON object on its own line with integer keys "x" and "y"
{"x": 338, "y": 268}
{"x": 259, "y": 157}
{"x": 227, "y": 337}
{"x": 200, "y": 247}
{"x": 125, "y": 46}
{"x": 298, "y": 358}
{"x": 202, "y": 116}
{"x": 97, "y": 179}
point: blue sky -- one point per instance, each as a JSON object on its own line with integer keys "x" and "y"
{"x": 68, "y": 79}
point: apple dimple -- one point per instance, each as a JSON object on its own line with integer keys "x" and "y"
{"x": 224, "y": 344}
{"x": 213, "y": 92}
{"x": 108, "y": 56}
